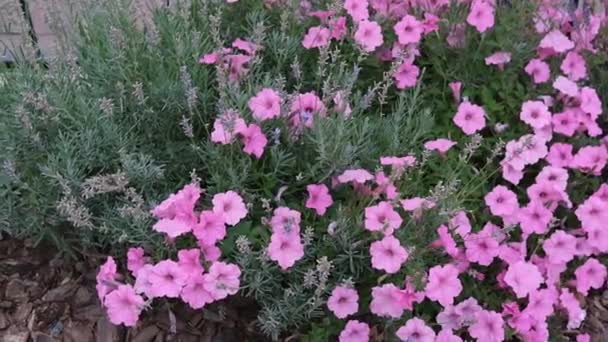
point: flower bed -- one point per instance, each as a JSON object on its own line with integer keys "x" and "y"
{"x": 422, "y": 171}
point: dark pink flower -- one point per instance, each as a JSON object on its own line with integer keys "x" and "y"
{"x": 319, "y": 198}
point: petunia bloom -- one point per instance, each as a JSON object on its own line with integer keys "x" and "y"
{"x": 382, "y": 217}
{"x": 265, "y": 105}
{"x": 481, "y": 15}
{"x": 319, "y": 198}
{"x": 369, "y": 35}
{"x": 124, "y": 306}
{"x": 443, "y": 284}
{"x": 470, "y": 118}
{"x": 416, "y": 329}
{"x": 388, "y": 254}
{"x": 231, "y": 206}
{"x": 354, "y": 331}
{"x": 523, "y": 278}
{"x": 343, "y": 301}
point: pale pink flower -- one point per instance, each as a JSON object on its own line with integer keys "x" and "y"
{"x": 369, "y": 35}
{"x": 512, "y": 172}
{"x": 439, "y": 145}
{"x": 211, "y": 227}
{"x": 488, "y": 327}
{"x": 358, "y": 176}
{"x": 357, "y": 9}
{"x": 553, "y": 175}
{"x": 481, "y": 248}
{"x": 382, "y": 217}
{"x": 354, "y": 331}
{"x": 135, "y": 259}
{"x": 468, "y": 310}
{"x": 535, "y": 114}
{"x": 461, "y": 224}
{"x": 211, "y": 252}
{"x": 341, "y": 105}
{"x": 167, "y": 279}
{"x": 456, "y": 90}
{"x": 406, "y": 75}
{"x": 449, "y": 319}
{"x": 194, "y": 293}
{"x": 226, "y": 126}
{"x": 237, "y": 66}
{"x": 447, "y": 335}
{"x": 176, "y": 213}
{"x": 523, "y": 278}
{"x": 231, "y": 206}
{"x": 565, "y": 86}
{"x": 285, "y": 221}
{"x": 416, "y": 330}
{"x": 443, "y": 284}
{"x": 470, "y": 118}
{"x": 385, "y": 301}
{"x": 189, "y": 260}
{"x": 408, "y": 296}
{"x": 265, "y": 105}
{"x": 591, "y": 159}
{"x": 590, "y": 275}
{"x": 173, "y": 227}
{"x": 541, "y": 302}
{"x": 573, "y": 66}
{"x": 560, "y": 155}
{"x": 210, "y": 58}
{"x": 576, "y": 315}
{"x": 560, "y": 247}
{"x": 534, "y": 218}
{"x": 344, "y": 301}
{"x": 304, "y": 108}
{"x": 254, "y": 140}
{"x": 142, "y": 281}
{"x": 316, "y": 37}
{"x": 388, "y": 254}
{"x": 499, "y": 59}
{"x": 566, "y": 122}
{"x": 409, "y": 30}
{"x": 105, "y": 278}
{"x": 319, "y": 198}
{"x": 124, "y": 306}
{"x": 222, "y": 280}
{"x": 539, "y": 70}
{"x": 245, "y": 46}
{"x": 583, "y": 338}
{"x": 502, "y": 201}
{"x": 481, "y": 15}
{"x": 590, "y": 102}
{"x": 285, "y": 249}
{"x": 556, "y": 41}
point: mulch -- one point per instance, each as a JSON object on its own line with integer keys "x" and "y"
{"x": 45, "y": 296}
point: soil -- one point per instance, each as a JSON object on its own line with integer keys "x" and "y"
{"x": 47, "y": 297}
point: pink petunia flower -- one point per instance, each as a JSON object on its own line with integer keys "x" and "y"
{"x": 265, "y": 105}
{"x": 409, "y": 30}
{"x": 523, "y": 278}
{"x": 460, "y": 223}
{"x": 189, "y": 261}
{"x": 443, "y": 284}
{"x": 124, "y": 306}
{"x": 237, "y": 66}
{"x": 357, "y": 9}
{"x": 499, "y": 59}
{"x": 304, "y": 108}
{"x": 539, "y": 70}
{"x": 439, "y": 145}
{"x": 512, "y": 172}
{"x": 354, "y": 331}
{"x": 468, "y": 310}
{"x": 357, "y": 176}
{"x": 534, "y": 218}
{"x": 447, "y": 335}
{"x": 211, "y": 227}
{"x": 556, "y": 41}
{"x": 105, "y": 278}
{"x": 541, "y": 302}
{"x": 576, "y": 315}
{"x": 481, "y": 248}
{"x": 481, "y": 15}
{"x": 456, "y": 90}
{"x": 573, "y": 66}
{"x": 457, "y": 36}
{"x": 565, "y": 122}
{"x": 388, "y": 254}
{"x": 369, "y": 35}
{"x": 176, "y": 213}
{"x": 319, "y": 198}
{"x": 167, "y": 279}
{"x": 590, "y": 275}
{"x": 285, "y": 221}
{"x": 194, "y": 293}
{"x": 226, "y": 126}
{"x": 502, "y": 201}
{"x": 406, "y": 75}
{"x": 416, "y": 330}
{"x": 382, "y": 217}
{"x": 560, "y": 247}
{"x": 337, "y": 27}
{"x": 135, "y": 259}
{"x": 535, "y": 114}
{"x": 211, "y": 252}
{"x": 385, "y": 301}
{"x": 316, "y": 37}
{"x": 560, "y": 155}
{"x": 142, "y": 281}
{"x": 285, "y": 249}
{"x": 591, "y": 159}
{"x": 470, "y": 118}
{"x": 344, "y": 301}
{"x": 488, "y": 327}
{"x": 449, "y": 318}
{"x": 254, "y": 140}
{"x": 222, "y": 280}
{"x": 590, "y": 102}
{"x": 566, "y": 86}
{"x": 231, "y": 206}
{"x": 244, "y": 45}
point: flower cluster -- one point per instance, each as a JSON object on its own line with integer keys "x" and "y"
{"x": 197, "y": 277}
